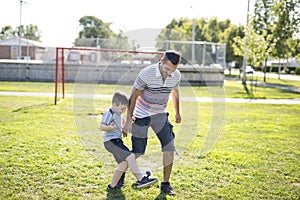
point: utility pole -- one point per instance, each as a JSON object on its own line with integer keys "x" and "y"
{"x": 193, "y": 39}
{"x": 20, "y": 30}
{"x": 193, "y": 36}
{"x": 245, "y": 49}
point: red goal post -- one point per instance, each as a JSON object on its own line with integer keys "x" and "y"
{"x": 79, "y": 56}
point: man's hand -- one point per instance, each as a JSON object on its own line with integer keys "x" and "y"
{"x": 127, "y": 128}
{"x": 175, "y": 100}
{"x": 135, "y": 93}
{"x": 178, "y": 118}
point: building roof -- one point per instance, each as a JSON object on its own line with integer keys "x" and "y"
{"x": 24, "y": 42}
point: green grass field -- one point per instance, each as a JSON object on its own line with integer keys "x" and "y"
{"x": 231, "y": 89}
{"x": 56, "y": 152}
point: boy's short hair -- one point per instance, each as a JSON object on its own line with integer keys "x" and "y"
{"x": 120, "y": 99}
{"x": 172, "y": 56}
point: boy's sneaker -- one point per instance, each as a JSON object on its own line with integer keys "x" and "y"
{"x": 165, "y": 187}
{"x": 146, "y": 181}
{"x": 109, "y": 188}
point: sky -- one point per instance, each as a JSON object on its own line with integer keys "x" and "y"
{"x": 58, "y": 20}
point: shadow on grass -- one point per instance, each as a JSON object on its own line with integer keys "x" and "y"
{"x": 115, "y": 195}
{"x": 249, "y": 93}
{"x": 26, "y": 108}
{"x": 161, "y": 196}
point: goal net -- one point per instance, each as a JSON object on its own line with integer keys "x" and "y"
{"x": 95, "y": 65}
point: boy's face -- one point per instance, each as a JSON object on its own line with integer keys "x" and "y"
{"x": 119, "y": 109}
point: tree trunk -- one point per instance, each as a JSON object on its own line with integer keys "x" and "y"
{"x": 265, "y": 71}
{"x": 279, "y": 68}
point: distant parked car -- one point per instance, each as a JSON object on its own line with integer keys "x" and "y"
{"x": 136, "y": 62}
{"x": 249, "y": 70}
{"x": 146, "y": 62}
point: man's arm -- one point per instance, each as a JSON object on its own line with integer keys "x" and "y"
{"x": 135, "y": 93}
{"x": 175, "y": 100}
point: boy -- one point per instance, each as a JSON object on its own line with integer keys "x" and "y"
{"x": 112, "y": 126}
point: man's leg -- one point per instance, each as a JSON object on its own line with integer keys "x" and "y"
{"x": 168, "y": 159}
{"x": 140, "y": 136}
{"x": 164, "y": 132}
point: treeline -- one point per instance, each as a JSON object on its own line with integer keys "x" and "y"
{"x": 273, "y": 30}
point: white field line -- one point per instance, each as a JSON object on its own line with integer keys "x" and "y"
{"x": 183, "y": 99}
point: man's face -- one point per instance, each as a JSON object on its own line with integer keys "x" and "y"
{"x": 167, "y": 68}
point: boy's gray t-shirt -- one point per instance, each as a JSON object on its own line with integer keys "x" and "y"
{"x": 110, "y": 117}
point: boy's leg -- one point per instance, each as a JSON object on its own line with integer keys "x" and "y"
{"x": 120, "y": 153}
{"x": 121, "y": 181}
{"x": 118, "y": 173}
{"x": 133, "y": 167}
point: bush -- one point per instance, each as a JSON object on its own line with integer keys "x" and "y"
{"x": 297, "y": 70}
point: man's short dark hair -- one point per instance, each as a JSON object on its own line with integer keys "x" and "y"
{"x": 172, "y": 56}
{"x": 120, "y": 99}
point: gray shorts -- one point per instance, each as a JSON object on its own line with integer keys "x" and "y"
{"x": 160, "y": 124}
{"x": 118, "y": 149}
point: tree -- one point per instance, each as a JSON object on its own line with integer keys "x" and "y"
{"x": 178, "y": 30}
{"x": 257, "y": 48}
{"x": 94, "y": 28}
{"x": 211, "y": 30}
{"x": 121, "y": 41}
{"x": 275, "y": 24}
{"x": 29, "y": 31}
{"x": 199, "y": 26}
{"x": 97, "y": 33}
{"x": 263, "y": 16}
{"x": 263, "y": 24}
{"x": 6, "y": 32}
{"x": 227, "y": 37}
{"x": 286, "y": 26}
{"x": 206, "y": 30}
{"x": 295, "y": 44}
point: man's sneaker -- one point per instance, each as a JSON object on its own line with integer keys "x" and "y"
{"x": 146, "y": 181}
{"x": 165, "y": 187}
{"x": 120, "y": 183}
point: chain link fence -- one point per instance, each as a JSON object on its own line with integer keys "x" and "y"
{"x": 193, "y": 52}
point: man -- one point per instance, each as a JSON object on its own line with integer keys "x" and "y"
{"x": 147, "y": 107}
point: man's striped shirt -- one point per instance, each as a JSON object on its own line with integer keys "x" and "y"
{"x": 155, "y": 95}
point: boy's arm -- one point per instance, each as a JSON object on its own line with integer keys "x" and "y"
{"x": 105, "y": 127}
